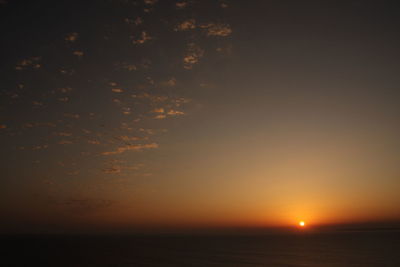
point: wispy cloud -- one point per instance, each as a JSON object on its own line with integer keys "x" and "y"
{"x": 169, "y": 83}
{"x": 78, "y": 53}
{"x": 63, "y": 99}
{"x": 64, "y": 90}
{"x": 158, "y": 110}
{"x": 94, "y": 142}
{"x": 71, "y": 37}
{"x": 160, "y": 116}
{"x": 181, "y": 4}
{"x": 192, "y": 55}
{"x": 118, "y": 167}
{"x": 175, "y": 112}
{"x": 117, "y": 90}
{"x": 217, "y": 29}
{"x": 150, "y": 2}
{"x": 137, "y": 147}
{"x": 129, "y": 138}
{"x": 126, "y": 111}
{"x": 112, "y": 170}
{"x": 32, "y": 62}
{"x": 186, "y": 25}
{"x": 144, "y": 37}
{"x": 40, "y": 147}
{"x": 37, "y": 103}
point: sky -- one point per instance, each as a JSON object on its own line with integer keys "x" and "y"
{"x": 130, "y": 115}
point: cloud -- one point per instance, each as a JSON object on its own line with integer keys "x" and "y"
{"x": 13, "y": 95}
{"x": 127, "y": 66}
{"x": 152, "y": 98}
{"x": 144, "y": 37}
{"x": 71, "y": 37}
{"x": 218, "y": 29}
{"x": 160, "y": 116}
{"x": 158, "y": 110}
{"x": 192, "y": 55}
{"x": 137, "y": 147}
{"x": 136, "y": 21}
{"x": 112, "y": 170}
{"x": 175, "y": 112}
{"x": 67, "y": 72}
{"x": 27, "y": 125}
{"x": 93, "y": 142}
{"x": 148, "y": 131}
{"x": 117, "y": 90}
{"x": 181, "y": 5}
{"x": 129, "y": 138}
{"x": 64, "y": 90}
{"x": 63, "y": 99}
{"x": 150, "y": 2}
{"x": 186, "y": 25}
{"x": 126, "y": 111}
{"x": 134, "y": 167}
{"x": 225, "y": 50}
{"x": 180, "y": 101}
{"x": 37, "y": 103}
{"x": 31, "y": 62}
{"x": 126, "y": 126}
{"x": 78, "y": 53}
{"x": 224, "y": 5}
{"x": 117, "y": 169}
{"x": 40, "y": 147}
{"x": 169, "y": 83}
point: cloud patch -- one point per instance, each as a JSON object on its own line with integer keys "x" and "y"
{"x": 71, "y": 37}
{"x": 217, "y": 29}
{"x": 192, "y": 55}
{"x": 137, "y": 147}
{"x": 144, "y": 37}
{"x": 117, "y": 90}
{"x": 186, "y": 25}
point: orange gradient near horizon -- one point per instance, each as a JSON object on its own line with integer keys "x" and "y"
{"x": 263, "y": 192}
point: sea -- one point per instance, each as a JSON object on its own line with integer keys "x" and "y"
{"x": 378, "y": 249}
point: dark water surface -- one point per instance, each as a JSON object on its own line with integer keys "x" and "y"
{"x": 339, "y": 249}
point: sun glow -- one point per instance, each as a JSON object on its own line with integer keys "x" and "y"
{"x": 302, "y": 224}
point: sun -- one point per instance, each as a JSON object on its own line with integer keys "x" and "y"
{"x": 302, "y": 224}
